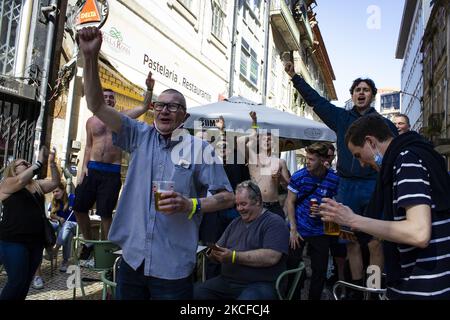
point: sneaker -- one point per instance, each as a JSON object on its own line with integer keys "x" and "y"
{"x": 37, "y": 283}
{"x": 87, "y": 263}
{"x": 63, "y": 266}
{"x": 86, "y": 252}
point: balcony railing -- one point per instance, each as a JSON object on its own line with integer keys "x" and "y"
{"x": 283, "y": 20}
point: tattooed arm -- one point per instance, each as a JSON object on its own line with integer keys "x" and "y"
{"x": 219, "y": 201}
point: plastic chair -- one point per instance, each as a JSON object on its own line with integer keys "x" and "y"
{"x": 104, "y": 259}
{"x": 366, "y": 290}
{"x": 290, "y": 292}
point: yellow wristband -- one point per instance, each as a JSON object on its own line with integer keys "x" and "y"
{"x": 255, "y": 126}
{"x": 194, "y": 208}
{"x": 233, "y": 257}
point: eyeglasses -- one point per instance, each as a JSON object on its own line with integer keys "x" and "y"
{"x": 171, "y": 106}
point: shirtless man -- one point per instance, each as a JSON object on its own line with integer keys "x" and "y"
{"x": 100, "y": 180}
{"x": 267, "y": 170}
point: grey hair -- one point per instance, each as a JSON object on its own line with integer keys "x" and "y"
{"x": 178, "y": 94}
{"x": 254, "y": 193}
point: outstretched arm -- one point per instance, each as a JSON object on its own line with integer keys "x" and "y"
{"x": 250, "y": 141}
{"x": 50, "y": 185}
{"x": 415, "y": 230}
{"x": 10, "y": 185}
{"x": 90, "y": 41}
{"x": 138, "y": 111}
{"x": 326, "y": 111}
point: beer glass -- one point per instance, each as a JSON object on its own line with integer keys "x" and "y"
{"x": 331, "y": 228}
{"x": 160, "y": 187}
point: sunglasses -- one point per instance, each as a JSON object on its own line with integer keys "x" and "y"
{"x": 250, "y": 185}
{"x": 23, "y": 163}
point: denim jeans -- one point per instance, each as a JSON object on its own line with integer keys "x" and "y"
{"x": 219, "y": 288}
{"x": 134, "y": 285}
{"x": 21, "y": 262}
{"x": 318, "y": 251}
{"x": 65, "y": 235}
{"x": 356, "y": 194}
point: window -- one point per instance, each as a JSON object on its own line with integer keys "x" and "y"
{"x": 218, "y": 17}
{"x": 249, "y": 63}
{"x": 245, "y": 55}
{"x": 254, "y": 6}
{"x": 251, "y": 12}
{"x": 187, "y": 4}
{"x": 273, "y": 67}
{"x": 253, "y": 67}
{"x": 9, "y": 31}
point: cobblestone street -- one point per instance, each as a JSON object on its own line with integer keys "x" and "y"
{"x": 55, "y": 286}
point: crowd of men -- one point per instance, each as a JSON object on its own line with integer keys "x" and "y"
{"x": 388, "y": 194}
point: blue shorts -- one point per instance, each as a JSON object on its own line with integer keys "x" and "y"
{"x": 101, "y": 186}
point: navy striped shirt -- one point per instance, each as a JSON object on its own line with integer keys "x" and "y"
{"x": 425, "y": 273}
{"x": 302, "y": 183}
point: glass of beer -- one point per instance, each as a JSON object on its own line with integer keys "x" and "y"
{"x": 313, "y": 203}
{"x": 158, "y": 187}
{"x": 331, "y": 228}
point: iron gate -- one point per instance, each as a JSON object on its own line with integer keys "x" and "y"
{"x": 17, "y": 127}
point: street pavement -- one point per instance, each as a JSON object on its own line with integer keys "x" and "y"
{"x": 55, "y": 286}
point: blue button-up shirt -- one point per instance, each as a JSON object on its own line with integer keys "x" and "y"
{"x": 167, "y": 243}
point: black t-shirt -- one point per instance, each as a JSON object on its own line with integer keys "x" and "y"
{"x": 22, "y": 218}
{"x": 268, "y": 231}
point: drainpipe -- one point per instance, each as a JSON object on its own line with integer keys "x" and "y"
{"x": 50, "y": 13}
{"x": 233, "y": 48}
{"x": 266, "y": 52}
{"x": 68, "y": 121}
{"x": 24, "y": 32}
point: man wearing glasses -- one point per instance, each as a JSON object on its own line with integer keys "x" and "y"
{"x": 159, "y": 246}
{"x": 100, "y": 180}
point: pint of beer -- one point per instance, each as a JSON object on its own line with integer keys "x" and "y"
{"x": 158, "y": 187}
{"x": 331, "y": 228}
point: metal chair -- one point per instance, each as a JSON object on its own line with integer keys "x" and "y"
{"x": 104, "y": 259}
{"x": 366, "y": 290}
{"x": 290, "y": 291}
{"x": 108, "y": 283}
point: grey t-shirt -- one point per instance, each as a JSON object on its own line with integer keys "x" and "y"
{"x": 268, "y": 231}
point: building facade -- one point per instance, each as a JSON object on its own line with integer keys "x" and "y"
{"x": 185, "y": 44}
{"x": 436, "y": 74}
{"x": 25, "y": 26}
{"x": 390, "y": 104}
{"x": 415, "y": 16}
{"x": 207, "y": 49}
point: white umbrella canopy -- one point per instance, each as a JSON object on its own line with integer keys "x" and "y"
{"x": 294, "y": 131}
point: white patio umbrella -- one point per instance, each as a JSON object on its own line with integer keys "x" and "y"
{"x": 294, "y": 131}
